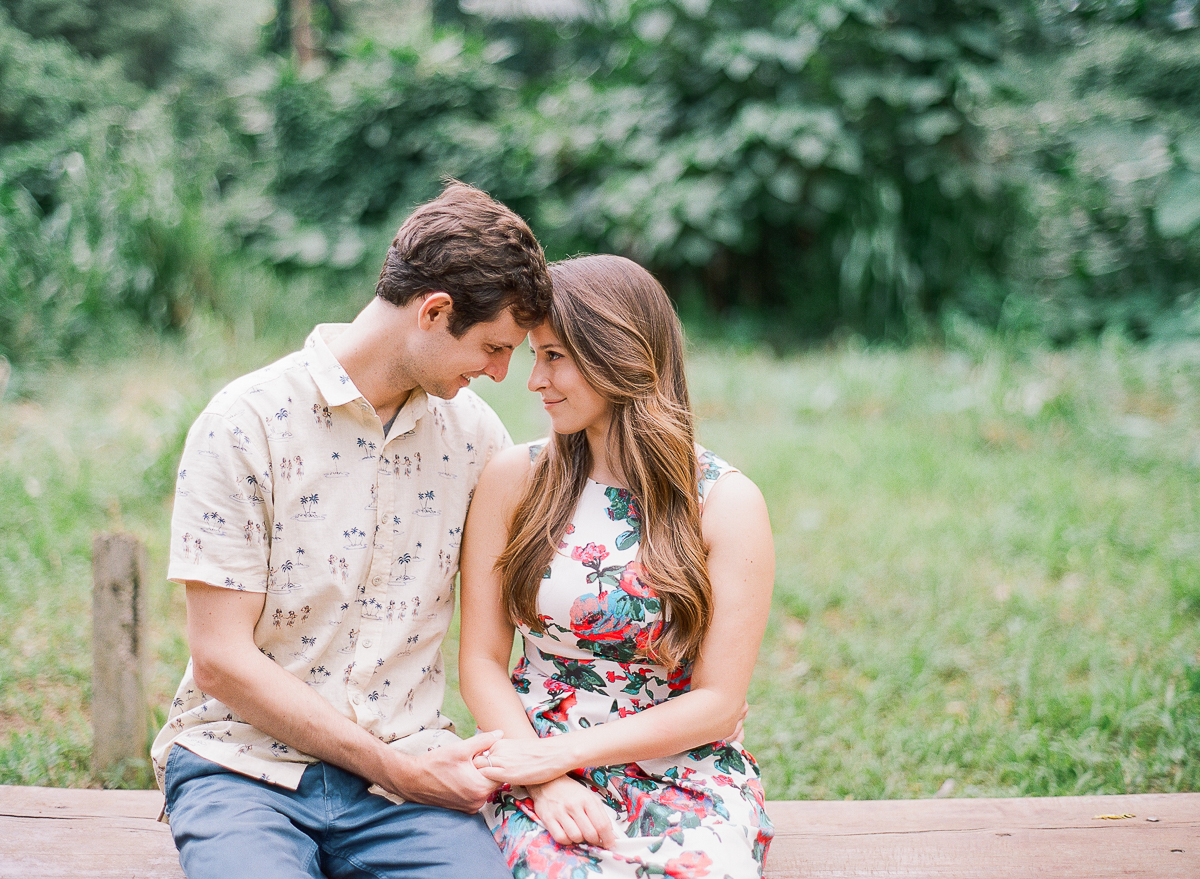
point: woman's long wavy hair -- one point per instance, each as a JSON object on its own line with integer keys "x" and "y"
{"x": 619, "y": 327}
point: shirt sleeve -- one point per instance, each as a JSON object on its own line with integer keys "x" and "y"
{"x": 221, "y": 524}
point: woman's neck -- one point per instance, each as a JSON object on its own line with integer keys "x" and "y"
{"x": 605, "y": 467}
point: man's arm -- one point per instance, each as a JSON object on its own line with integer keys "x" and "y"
{"x": 228, "y": 665}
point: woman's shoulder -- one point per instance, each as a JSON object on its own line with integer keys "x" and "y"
{"x": 731, "y": 505}
{"x": 504, "y": 477}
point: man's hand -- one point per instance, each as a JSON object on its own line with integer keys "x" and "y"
{"x": 445, "y": 776}
{"x": 526, "y": 761}
{"x": 572, "y": 813}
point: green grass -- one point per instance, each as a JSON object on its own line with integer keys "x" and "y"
{"x": 988, "y": 560}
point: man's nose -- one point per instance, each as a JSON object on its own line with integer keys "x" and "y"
{"x": 497, "y": 367}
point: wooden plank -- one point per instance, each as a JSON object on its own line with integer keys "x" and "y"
{"x": 49, "y": 833}
{"x": 989, "y": 838}
{"x": 119, "y": 609}
{"x": 55, "y": 833}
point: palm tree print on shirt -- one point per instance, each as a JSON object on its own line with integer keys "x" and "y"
{"x": 213, "y": 523}
{"x": 403, "y": 561}
{"x": 241, "y": 441}
{"x": 307, "y": 642}
{"x": 208, "y": 449}
{"x": 278, "y": 425}
{"x": 426, "y": 498}
{"x": 308, "y": 508}
{"x": 337, "y": 472}
{"x": 253, "y": 495}
{"x": 287, "y": 586}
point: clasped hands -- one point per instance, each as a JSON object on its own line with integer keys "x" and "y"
{"x": 568, "y": 809}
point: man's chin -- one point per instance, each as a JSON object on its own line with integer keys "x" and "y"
{"x": 445, "y": 392}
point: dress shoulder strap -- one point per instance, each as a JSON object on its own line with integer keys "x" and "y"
{"x": 535, "y": 448}
{"x": 711, "y": 468}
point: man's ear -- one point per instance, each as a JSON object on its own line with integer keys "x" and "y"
{"x": 436, "y": 307}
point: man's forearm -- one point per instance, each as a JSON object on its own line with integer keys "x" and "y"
{"x": 279, "y": 704}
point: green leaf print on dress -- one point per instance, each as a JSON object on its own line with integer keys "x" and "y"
{"x": 622, "y": 507}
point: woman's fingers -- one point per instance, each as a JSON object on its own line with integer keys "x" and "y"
{"x": 573, "y": 814}
{"x": 554, "y": 829}
{"x": 604, "y": 834}
{"x": 570, "y": 826}
{"x": 571, "y": 832}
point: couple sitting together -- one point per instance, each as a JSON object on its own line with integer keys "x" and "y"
{"x": 320, "y": 520}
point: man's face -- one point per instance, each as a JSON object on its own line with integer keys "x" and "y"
{"x": 446, "y": 365}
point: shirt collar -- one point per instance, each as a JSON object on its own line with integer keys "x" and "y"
{"x": 338, "y": 388}
{"x": 332, "y": 381}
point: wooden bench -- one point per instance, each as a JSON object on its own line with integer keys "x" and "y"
{"x": 52, "y": 833}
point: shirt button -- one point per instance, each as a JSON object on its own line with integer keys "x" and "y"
{"x": 377, "y": 581}
{"x": 356, "y": 699}
{"x": 366, "y": 643}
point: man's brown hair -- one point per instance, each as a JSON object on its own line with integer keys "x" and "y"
{"x": 476, "y": 250}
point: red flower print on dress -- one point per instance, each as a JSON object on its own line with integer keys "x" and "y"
{"x": 632, "y": 583}
{"x": 647, "y": 634}
{"x": 680, "y": 678}
{"x": 558, "y": 713}
{"x": 679, "y": 800}
{"x": 591, "y": 554}
{"x": 591, "y": 620}
{"x": 689, "y": 865}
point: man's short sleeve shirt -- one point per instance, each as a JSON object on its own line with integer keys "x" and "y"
{"x": 288, "y": 486}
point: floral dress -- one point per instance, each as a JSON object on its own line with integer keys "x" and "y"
{"x": 695, "y": 814}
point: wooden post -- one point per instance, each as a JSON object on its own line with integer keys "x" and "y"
{"x": 119, "y": 610}
{"x": 303, "y": 42}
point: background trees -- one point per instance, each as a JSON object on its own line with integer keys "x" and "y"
{"x": 804, "y": 165}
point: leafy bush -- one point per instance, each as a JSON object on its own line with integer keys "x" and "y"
{"x": 95, "y": 227}
{"x": 813, "y": 158}
{"x": 1104, "y": 140}
{"x": 143, "y": 36}
{"x": 816, "y": 159}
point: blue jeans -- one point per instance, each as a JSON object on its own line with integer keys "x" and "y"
{"x": 228, "y": 825}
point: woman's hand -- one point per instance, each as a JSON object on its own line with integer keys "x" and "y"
{"x": 525, "y": 761}
{"x": 572, "y": 813}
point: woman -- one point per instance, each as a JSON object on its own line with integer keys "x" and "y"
{"x": 638, "y": 568}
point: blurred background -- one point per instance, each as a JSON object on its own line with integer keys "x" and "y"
{"x": 939, "y": 262}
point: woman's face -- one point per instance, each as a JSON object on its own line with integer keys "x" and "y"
{"x": 570, "y": 401}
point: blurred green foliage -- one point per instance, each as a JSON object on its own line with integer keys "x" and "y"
{"x": 810, "y": 158}
{"x": 804, "y": 166}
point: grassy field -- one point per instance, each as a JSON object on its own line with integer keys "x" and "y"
{"x": 988, "y": 560}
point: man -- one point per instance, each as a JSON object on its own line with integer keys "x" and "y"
{"x": 317, "y": 517}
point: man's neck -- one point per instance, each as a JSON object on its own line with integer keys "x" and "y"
{"x": 367, "y": 351}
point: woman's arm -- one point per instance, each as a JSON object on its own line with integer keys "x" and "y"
{"x": 741, "y": 566}
{"x": 486, "y": 638}
{"x": 570, "y": 811}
